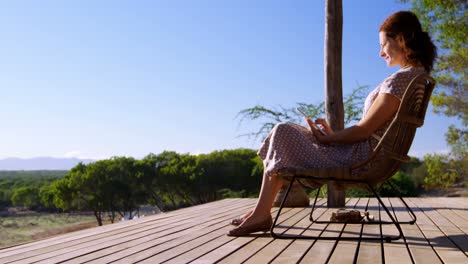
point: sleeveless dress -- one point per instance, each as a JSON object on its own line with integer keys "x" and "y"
{"x": 290, "y": 145}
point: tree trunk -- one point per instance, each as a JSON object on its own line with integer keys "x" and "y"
{"x": 333, "y": 84}
{"x": 97, "y": 214}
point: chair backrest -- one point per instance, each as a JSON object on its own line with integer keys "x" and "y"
{"x": 392, "y": 149}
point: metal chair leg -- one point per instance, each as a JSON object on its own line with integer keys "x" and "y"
{"x": 311, "y": 218}
{"x": 413, "y": 216}
{"x": 387, "y": 238}
{"x": 272, "y": 232}
{"x": 400, "y": 232}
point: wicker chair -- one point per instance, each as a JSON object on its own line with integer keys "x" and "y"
{"x": 389, "y": 153}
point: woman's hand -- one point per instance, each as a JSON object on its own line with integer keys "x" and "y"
{"x": 321, "y": 137}
{"x": 326, "y": 127}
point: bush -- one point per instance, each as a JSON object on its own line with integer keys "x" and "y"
{"x": 403, "y": 183}
{"x": 441, "y": 172}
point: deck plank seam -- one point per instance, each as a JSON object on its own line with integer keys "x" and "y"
{"x": 85, "y": 244}
{"x": 222, "y": 227}
{"x": 449, "y": 220}
{"x": 263, "y": 234}
{"x": 403, "y": 231}
{"x": 83, "y": 234}
{"x": 269, "y": 242}
{"x": 356, "y": 253}
{"x": 424, "y": 235}
{"x": 322, "y": 202}
{"x": 230, "y": 213}
{"x": 320, "y": 234}
{"x": 443, "y": 232}
{"x": 339, "y": 236}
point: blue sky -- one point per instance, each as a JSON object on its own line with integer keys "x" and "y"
{"x": 95, "y": 79}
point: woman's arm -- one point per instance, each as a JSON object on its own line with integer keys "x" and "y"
{"x": 381, "y": 111}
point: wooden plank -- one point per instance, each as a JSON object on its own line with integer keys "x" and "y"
{"x": 98, "y": 247}
{"x": 396, "y": 251}
{"x": 98, "y": 241}
{"x": 323, "y": 249}
{"x": 61, "y": 239}
{"x": 270, "y": 251}
{"x": 227, "y": 249}
{"x": 196, "y": 249}
{"x": 371, "y": 251}
{"x": 460, "y": 206}
{"x": 192, "y": 251}
{"x": 420, "y": 249}
{"x": 197, "y": 234}
{"x": 445, "y": 248}
{"x": 285, "y": 224}
{"x": 146, "y": 247}
{"x": 439, "y": 220}
{"x": 448, "y": 241}
{"x": 345, "y": 251}
{"x": 444, "y": 206}
{"x": 299, "y": 247}
{"x": 257, "y": 242}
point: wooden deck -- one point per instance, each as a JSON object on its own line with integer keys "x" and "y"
{"x": 197, "y": 234}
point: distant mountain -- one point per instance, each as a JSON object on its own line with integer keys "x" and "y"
{"x": 41, "y": 163}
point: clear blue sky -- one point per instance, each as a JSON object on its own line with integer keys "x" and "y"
{"x": 95, "y": 79}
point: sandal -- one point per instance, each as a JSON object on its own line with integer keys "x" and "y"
{"x": 245, "y": 230}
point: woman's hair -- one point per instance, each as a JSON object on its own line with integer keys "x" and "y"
{"x": 405, "y": 28}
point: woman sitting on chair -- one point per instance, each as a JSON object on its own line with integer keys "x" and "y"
{"x": 288, "y": 145}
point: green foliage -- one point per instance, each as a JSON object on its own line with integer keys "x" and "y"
{"x": 10, "y": 181}
{"x": 183, "y": 179}
{"x": 440, "y": 174}
{"x": 169, "y": 180}
{"x": 106, "y": 186}
{"x": 418, "y": 174}
{"x": 46, "y": 196}
{"x": 458, "y": 160}
{"x": 269, "y": 117}
{"x": 404, "y": 185}
{"x": 233, "y": 169}
{"x": 323, "y": 193}
{"x": 228, "y": 193}
{"x": 26, "y": 196}
{"x": 402, "y": 181}
{"x": 32, "y": 175}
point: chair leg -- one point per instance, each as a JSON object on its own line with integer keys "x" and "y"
{"x": 397, "y": 225}
{"x": 413, "y": 216}
{"x": 285, "y": 236}
{"x": 272, "y": 232}
{"x": 311, "y": 218}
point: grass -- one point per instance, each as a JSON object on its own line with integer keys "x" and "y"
{"x": 19, "y": 229}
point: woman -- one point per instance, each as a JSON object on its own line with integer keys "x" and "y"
{"x": 402, "y": 43}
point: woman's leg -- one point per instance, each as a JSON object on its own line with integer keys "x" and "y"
{"x": 269, "y": 190}
{"x": 262, "y": 212}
